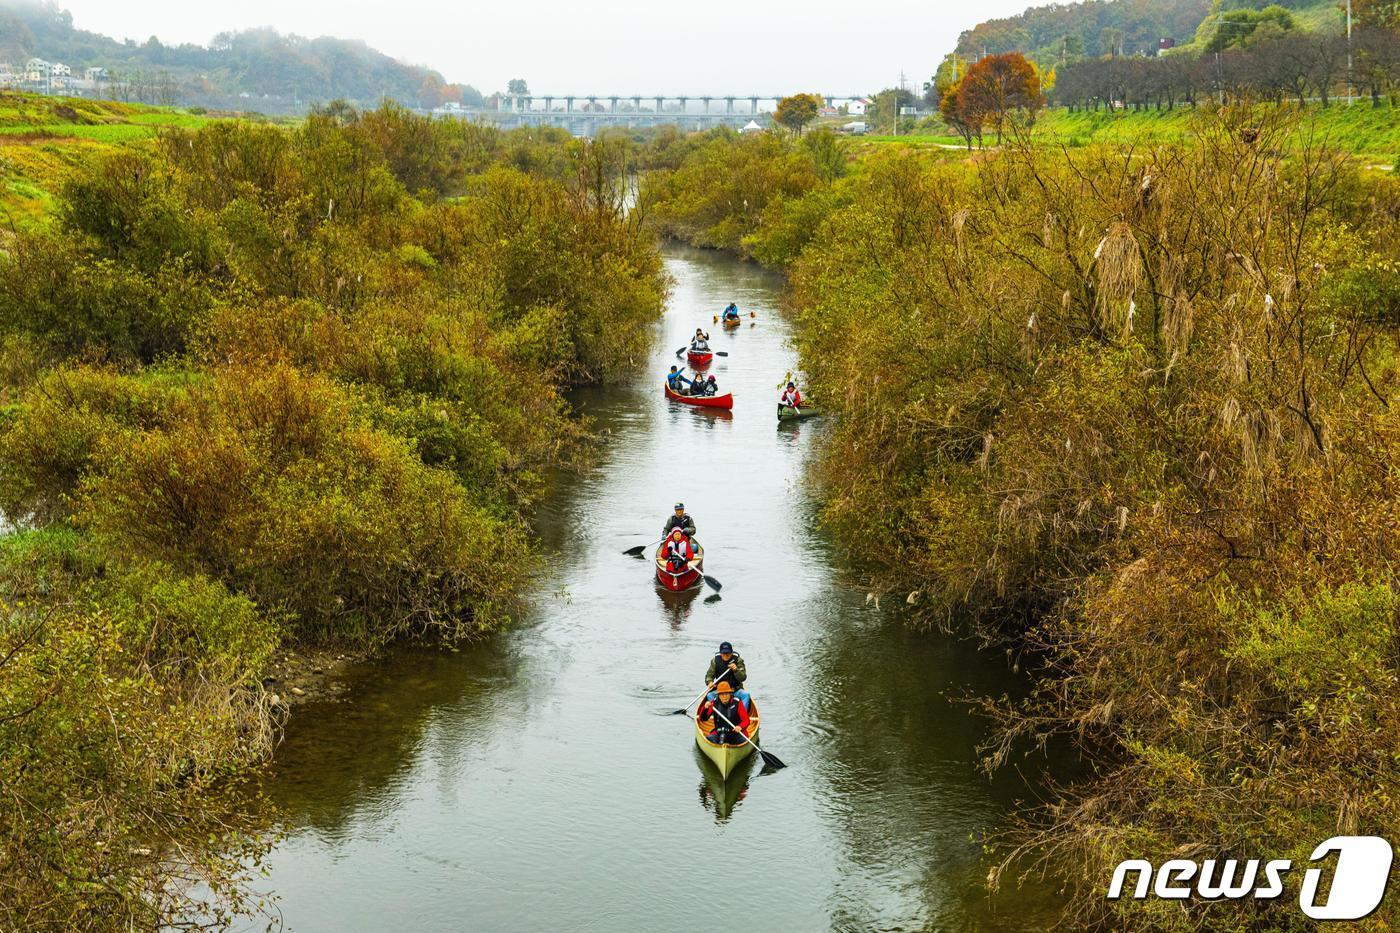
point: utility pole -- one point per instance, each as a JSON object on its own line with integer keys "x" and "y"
{"x": 1351, "y": 87}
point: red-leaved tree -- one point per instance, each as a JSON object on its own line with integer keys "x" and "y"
{"x": 994, "y": 88}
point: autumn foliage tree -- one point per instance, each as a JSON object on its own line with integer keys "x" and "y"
{"x": 993, "y": 89}
{"x": 797, "y": 110}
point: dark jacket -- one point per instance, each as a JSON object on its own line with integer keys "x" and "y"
{"x": 735, "y": 677}
{"x": 684, "y": 523}
{"x": 733, "y": 711}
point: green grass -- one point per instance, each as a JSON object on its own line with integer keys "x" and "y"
{"x": 1371, "y": 133}
{"x": 44, "y": 138}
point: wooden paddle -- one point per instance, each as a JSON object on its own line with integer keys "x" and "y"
{"x": 769, "y": 759}
{"x": 637, "y": 551}
{"x": 685, "y": 709}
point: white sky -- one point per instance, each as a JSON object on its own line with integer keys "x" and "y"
{"x": 600, "y": 46}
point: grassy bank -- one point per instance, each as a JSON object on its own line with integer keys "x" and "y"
{"x": 1370, "y": 133}
{"x": 1136, "y": 415}
{"x": 264, "y": 388}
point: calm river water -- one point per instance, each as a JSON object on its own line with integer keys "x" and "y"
{"x": 531, "y": 783}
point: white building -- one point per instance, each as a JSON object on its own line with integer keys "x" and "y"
{"x": 96, "y": 74}
{"x": 857, "y": 108}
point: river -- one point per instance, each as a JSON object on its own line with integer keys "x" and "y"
{"x": 532, "y": 782}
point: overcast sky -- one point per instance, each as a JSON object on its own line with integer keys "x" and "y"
{"x": 602, "y": 46}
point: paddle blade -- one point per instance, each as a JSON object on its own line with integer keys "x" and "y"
{"x": 721, "y": 353}
{"x": 679, "y": 712}
{"x": 635, "y": 551}
{"x": 680, "y": 351}
{"x": 771, "y": 760}
{"x": 713, "y": 582}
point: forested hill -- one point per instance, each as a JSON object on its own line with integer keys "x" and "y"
{"x": 256, "y": 69}
{"x": 1065, "y": 31}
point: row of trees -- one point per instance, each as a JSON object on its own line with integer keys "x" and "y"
{"x": 1281, "y": 65}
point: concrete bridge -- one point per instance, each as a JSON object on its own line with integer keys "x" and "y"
{"x": 586, "y": 114}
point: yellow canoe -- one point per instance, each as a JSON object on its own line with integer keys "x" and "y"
{"x": 726, "y": 757}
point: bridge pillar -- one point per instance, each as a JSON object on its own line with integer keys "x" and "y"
{"x": 548, "y": 104}
{"x": 830, "y": 101}
{"x": 529, "y": 103}
{"x": 659, "y": 102}
{"x": 636, "y": 107}
{"x": 729, "y": 105}
{"x": 612, "y": 105}
{"x": 568, "y": 105}
{"x": 684, "y": 102}
{"x": 753, "y": 105}
{"x": 707, "y": 103}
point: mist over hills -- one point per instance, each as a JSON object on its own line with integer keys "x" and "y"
{"x": 259, "y": 69}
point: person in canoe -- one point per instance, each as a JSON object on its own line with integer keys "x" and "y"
{"x": 730, "y": 717}
{"x": 682, "y": 520}
{"x": 700, "y": 343}
{"x": 679, "y": 551}
{"x": 791, "y": 398}
{"x": 731, "y": 313}
{"x": 728, "y": 667}
{"x": 678, "y": 381}
{"x": 704, "y": 387}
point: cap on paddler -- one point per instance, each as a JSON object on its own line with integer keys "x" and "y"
{"x": 726, "y": 648}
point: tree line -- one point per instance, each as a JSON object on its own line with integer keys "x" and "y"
{"x": 1281, "y": 65}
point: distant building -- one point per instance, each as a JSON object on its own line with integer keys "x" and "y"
{"x": 857, "y": 128}
{"x": 1166, "y": 44}
{"x": 827, "y": 112}
{"x": 96, "y": 74}
{"x": 857, "y": 108}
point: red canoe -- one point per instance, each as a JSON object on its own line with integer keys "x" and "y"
{"x": 698, "y": 359}
{"x": 687, "y": 579}
{"x": 725, "y": 401}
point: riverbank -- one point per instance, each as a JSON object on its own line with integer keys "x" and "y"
{"x": 1057, "y": 431}
{"x": 271, "y": 396}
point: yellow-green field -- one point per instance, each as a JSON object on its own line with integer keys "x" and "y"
{"x": 1372, "y": 133}
{"x": 43, "y": 138}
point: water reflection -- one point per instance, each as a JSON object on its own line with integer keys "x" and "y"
{"x": 720, "y": 796}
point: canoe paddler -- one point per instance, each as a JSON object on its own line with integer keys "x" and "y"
{"x": 727, "y": 667}
{"x": 677, "y": 380}
{"x": 679, "y": 552}
{"x": 682, "y": 520}
{"x": 791, "y": 398}
{"x": 728, "y": 716}
{"x": 700, "y": 343}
